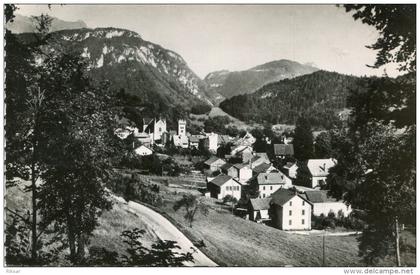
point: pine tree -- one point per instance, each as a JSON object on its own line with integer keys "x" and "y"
{"x": 303, "y": 139}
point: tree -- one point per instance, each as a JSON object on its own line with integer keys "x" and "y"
{"x": 230, "y": 199}
{"x": 322, "y": 146}
{"x": 376, "y": 165}
{"x": 397, "y": 32}
{"x": 25, "y": 106}
{"x": 191, "y": 204}
{"x": 303, "y": 175}
{"x": 303, "y": 139}
{"x": 80, "y": 148}
{"x": 160, "y": 254}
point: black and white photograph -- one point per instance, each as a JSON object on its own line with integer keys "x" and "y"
{"x": 209, "y": 135}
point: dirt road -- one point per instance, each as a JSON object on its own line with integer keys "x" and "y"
{"x": 165, "y": 230}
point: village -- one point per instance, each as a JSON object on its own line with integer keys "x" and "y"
{"x": 259, "y": 188}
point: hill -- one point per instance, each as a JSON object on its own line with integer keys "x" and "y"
{"x": 230, "y": 84}
{"x": 23, "y": 24}
{"x": 320, "y": 96}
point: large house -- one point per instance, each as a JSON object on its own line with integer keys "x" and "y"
{"x": 268, "y": 183}
{"x": 322, "y": 204}
{"x": 223, "y": 185}
{"x": 290, "y": 210}
{"x": 214, "y": 163}
{"x": 283, "y": 150}
{"x": 258, "y": 209}
{"x": 319, "y": 169}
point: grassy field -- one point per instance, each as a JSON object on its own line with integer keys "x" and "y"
{"x": 233, "y": 241}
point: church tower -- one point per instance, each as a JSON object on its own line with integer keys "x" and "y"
{"x": 182, "y": 127}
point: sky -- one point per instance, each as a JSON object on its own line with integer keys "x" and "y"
{"x": 239, "y": 37}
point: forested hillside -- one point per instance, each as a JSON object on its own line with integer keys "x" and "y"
{"x": 320, "y": 96}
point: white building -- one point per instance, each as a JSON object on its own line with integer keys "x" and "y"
{"x": 155, "y": 128}
{"x": 291, "y": 169}
{"x": 180, "y": 141}
{"x": 290, "y": 210}
{"x": 268, "y": 183}
{"x": 319, "y": 169}
{"x": 323, "y": 204}
{"x": 223, "y": 185}
{"x": 182, "y": 127}
{"x": 143, "y": 151}
{"x": 211, "y": 142}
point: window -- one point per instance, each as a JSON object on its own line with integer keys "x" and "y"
{"x": 227, "y": 188}
{"x": 303, "y": 202}
{"x": 160, "y": 129}
{"x": 263, "y": 187}
{"x": 290, "y": 222}
{"x": 271, "y": 187}
{"x": 303, "y": 212}
{"x": 290, "y": 212}
{"x": 320, "y": 182}
{"x": 263, "y": 195}
{"x": 290, "y": 203}
{"x": 303, "y": 221}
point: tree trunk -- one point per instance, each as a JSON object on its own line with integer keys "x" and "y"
{"x": 80, "y": 248}
{"x": 71, "y": 238}
{"x": 34, "y": 212}
{"x": 397, "y": 243}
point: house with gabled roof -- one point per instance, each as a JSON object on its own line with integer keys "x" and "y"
{"x": 214, "y": 163}
{"x": 264, "y": 168}
{"x": 290, "y": 210}
{"x": 322, "y": 204}
{"x": 319, "y": 169}
{"x": 268, "y": 183}
{"x": 243, "y": 152}
{"x": 223, "y": 185}
{"x": 290, "y": 168}
{"x": 283, "y": 150}
{"x": 258, "y": 209}
{"x": 243, "y": 172}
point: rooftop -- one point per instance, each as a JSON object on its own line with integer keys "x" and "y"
{"x": 320, "y": 167}
{"x": 283, "y": 149}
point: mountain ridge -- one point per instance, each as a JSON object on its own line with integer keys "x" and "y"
{"x": 230, "y": 84}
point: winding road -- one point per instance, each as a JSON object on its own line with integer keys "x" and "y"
{"x": 165, "y": 230}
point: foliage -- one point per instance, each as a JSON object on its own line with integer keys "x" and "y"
{"x": 216, "y": 124}
{"x": 396, "y": 24}
{"x": 322, "y": 146}
{"x": 318, "y": 96}
{"x": 303, "y": 175}
{"x": 229, "y": 199}
{"x": 303, "y": 139}
{"x": 160, "y": 254}
{"x": 376, "y": 165}
{"x": 200, "y": 109}
{"x": 191, "y": 204}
